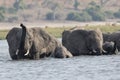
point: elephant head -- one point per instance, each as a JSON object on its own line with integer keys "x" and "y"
{"x": 110, "y": 47}
{"x": 83, "y": 42}
{"x": 94, "y": 42}
{"x": 25, "y": 43}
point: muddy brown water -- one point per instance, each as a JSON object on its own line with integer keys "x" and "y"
{"x": 76, "y": 68}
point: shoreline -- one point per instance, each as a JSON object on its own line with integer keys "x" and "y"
{"x": 7, "y": 26}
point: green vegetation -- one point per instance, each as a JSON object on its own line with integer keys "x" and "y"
{"x": 117, "y": 14}
{"x": 53, "y": 31}
{"x": 57, "y": 32}
{"x": 76, "y": 4}
{"x": 2, "y": 12}
{"x": 91, "y": 13}
{"x": 105, "y": 28}
{"x": 82, "y": 17}
{"x": 96, "y": 12}
{"x": 19, "y": 4}
{"x": 59, "y": 10}
{"x": 3, "y": 34}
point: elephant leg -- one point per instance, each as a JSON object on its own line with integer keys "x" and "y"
{"x": 37, "y": 56}
{"x": 13, "y": 54}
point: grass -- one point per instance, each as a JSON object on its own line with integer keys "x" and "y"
{"x": 105, "y": 28}
{"x": 57, "y": 32}
{"x": 3, "y": 34}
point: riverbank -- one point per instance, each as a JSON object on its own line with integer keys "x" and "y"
{"x": 43, "y": 24}
{"x": 56, "y": 28}
{"x": 57, "y": 31}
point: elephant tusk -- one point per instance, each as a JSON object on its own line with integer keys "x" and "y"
{"x": 17, "y": 52}
{"x": 26, "y": 53}
{"x": 103, "y": 51}
{"x": 94, "y": 51}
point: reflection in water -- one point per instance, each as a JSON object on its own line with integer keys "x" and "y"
{"x": 76, "y": 68}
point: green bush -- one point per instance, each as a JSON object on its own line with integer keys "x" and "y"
{"x": 11, "y": 10}
{"x": 50, "y": 16}
{"x": 109, "y": 14}
{"x": 1, "y": 17}
{"x": 2, "y": 11}
{"x": 92, "y": 12}
{"x": 117, "y": 14}
{"x": 96, "y": 12}
{"x": 53, "y": 16}
{"x": 19, "y": 4}
{"x": 72, "y": 16}
{"x": 82, "y": 17}
{"x": 76, "y": 4}
{"x": 85, "y": 17}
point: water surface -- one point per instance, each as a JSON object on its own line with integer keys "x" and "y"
{"x": 76, "y": 68}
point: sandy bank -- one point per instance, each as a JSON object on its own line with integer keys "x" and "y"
{"x": 4, "y": 26}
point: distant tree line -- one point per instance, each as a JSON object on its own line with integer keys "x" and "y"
{"x": 93, "y": 12}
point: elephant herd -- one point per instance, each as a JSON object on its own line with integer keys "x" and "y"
{"x": 35, "y": 43}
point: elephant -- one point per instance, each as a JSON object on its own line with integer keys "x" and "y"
{"x": 110, "y": 47}
{"x": 115, "y": 37}
{"x": 34, "y": 43}
{"x": 13, "y": 38}
{"x": 83, "y": 42}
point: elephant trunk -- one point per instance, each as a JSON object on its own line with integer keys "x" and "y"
{"x": 20, "y": 51}
{"x": 22, "y": 42}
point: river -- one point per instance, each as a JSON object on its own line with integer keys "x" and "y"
{"x": 105, "y": 67}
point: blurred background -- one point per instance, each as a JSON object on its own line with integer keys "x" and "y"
{"x": 12, "y": 11}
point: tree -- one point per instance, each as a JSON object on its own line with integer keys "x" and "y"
{"x": 1, "y": 17}
{"x": 117, "y": 14}
{"x": 53, "y": 6}
{"x": 96, "y": 12}
{"x": 76, "y": 4}
{"x": 2, "y": 12}
{"x": 19, "y": 4}
{"x": 82, "y": 17}
{"x": 103, "y": 2}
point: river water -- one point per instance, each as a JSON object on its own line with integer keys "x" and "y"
{"x": 105, "y": 67}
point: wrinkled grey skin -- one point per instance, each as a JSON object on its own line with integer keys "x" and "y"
{"x": 115, "y": 37}
{"x": 13, "y": 38}
{"x": 110, "y": 48}
{"x": 37, "y": 43}
{"x": 83, "y": 42}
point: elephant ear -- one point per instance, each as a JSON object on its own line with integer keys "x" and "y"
{"x": 99, "y": 32}
{"x": 22, "y": 42}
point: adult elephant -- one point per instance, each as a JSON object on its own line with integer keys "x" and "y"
{"x": 34, "y": 43}
{"x": 110, "y": 47}
{"x": 83, "y": 42}
{"x": 115, "y": 37}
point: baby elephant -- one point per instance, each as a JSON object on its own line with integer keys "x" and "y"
{"x": 110, "y": 48}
